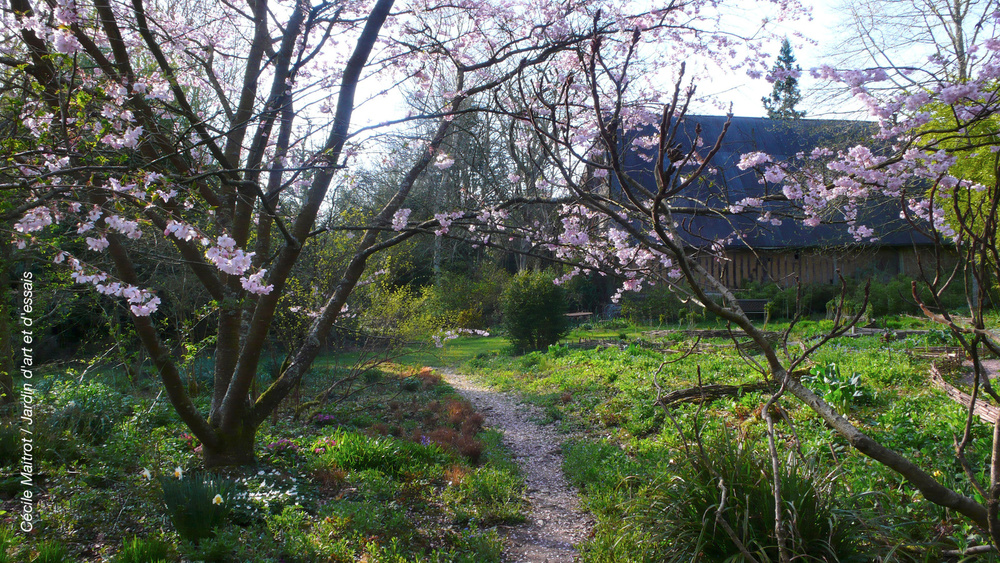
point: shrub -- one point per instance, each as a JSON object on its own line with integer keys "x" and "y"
{"x": 534, "y": 310}
{"x": 471, "y": 299}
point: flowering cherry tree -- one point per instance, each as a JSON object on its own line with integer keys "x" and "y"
{"x": 215, "y": 133}
{"x": 618, "y": 224}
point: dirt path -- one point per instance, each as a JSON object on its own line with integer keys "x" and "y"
{"x": 555, "y": 523}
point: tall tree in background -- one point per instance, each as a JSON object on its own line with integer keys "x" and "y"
{"x": 781, "y": 103}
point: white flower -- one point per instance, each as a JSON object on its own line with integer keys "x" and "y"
{"x": 178, "y": 472}
{"x": 146, "y": 474}
{"x": 217, "y": 499}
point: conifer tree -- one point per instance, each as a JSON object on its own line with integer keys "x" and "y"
{"x": 781, "y": 103}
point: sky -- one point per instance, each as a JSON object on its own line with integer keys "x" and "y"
{"x": 817, "y": 39}
{"x": 745, "y": 93}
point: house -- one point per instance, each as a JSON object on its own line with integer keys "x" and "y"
{"x": 780, "y": 253}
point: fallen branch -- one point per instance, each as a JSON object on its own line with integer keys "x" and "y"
{"x": 708, "y": 393}
{"x": 975, "y": 550}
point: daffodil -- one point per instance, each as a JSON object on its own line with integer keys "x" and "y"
{"x": 178, "y": 472}
{"x": 217, "y": 499}
{"x": 146, "y": 474}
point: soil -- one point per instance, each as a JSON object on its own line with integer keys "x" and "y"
{"x": 555, "y": 522}
{"x": 991, "y": 366}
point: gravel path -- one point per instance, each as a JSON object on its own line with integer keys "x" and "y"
{"x": 555, "y": 523}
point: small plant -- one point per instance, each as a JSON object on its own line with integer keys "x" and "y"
{"x": 197, "y": 505}
{"x": 940, "y": 337}
{"x": 488, "y": 495}
{"x": 673, "y": 518}
{"x": 52, "y": 552}
{"x": 835, "y": 389}
{"x": 290, "y": 531}
{"x": 8, "y": 541}
{"x": 138, "y": 550}
{"x": 353, "y": 451}
{"x": 283, "y": 448}
{"x": 223, "y": 547}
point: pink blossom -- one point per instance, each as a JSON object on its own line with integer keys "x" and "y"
{"x": 97, "y": 244}
{"x": 254, "y": 284}
{"x": 749, "y": 160}
{"x": 444, "y": 162}
{"x": 65, "y": 43}
{"x": 400, "y": 218}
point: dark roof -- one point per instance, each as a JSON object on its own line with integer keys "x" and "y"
{"x": 783, "y": 140}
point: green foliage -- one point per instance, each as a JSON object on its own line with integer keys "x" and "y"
{"x": 89, "y": 409}
{"x": 469, "y": 300}
{"x": 674, "y": 517}
{"x": 137, "y": 550}
{"x": 836, "y": 389}
{"x": 656, "y": 304}
{"x": 197, "y": 505}
{"x": 222, "y": 547}
{"x": 886, "y": 296}
{"x": 52, "y": 552}
{"x": 534, "y": 310}
{"x": 489, "y": 495}
{"x": 474, "y": 546}
{"x": 10, "y": 444}
{"x": 368, "y": 519}
{"x": 589, "y": 464}
{"x": 783, "y": 303}
{"x": 400, "y": 314}
{"x": 391, "y": 456}
{"x": 9, "y": 540}
{"x": 290, "y": 530}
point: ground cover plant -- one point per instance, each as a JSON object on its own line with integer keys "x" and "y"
{"x": 664, "y": 482}
{"x": 400, "y": 469}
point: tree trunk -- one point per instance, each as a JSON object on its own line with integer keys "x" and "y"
{"x": 233, "y": 450}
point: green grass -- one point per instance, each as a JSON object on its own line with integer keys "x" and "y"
{"x": 454, "y": 352}
{"x": 628, "y": 468}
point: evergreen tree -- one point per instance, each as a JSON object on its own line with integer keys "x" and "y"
{"x": 781, "y": 103}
